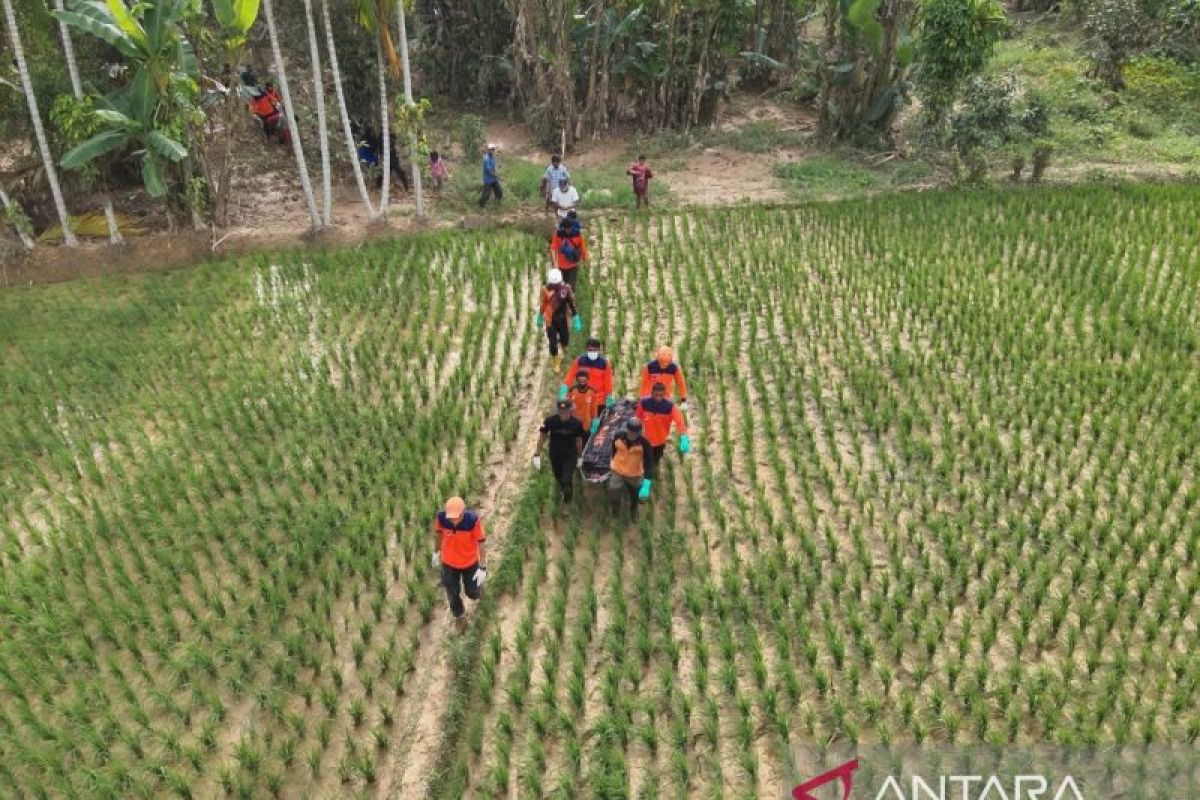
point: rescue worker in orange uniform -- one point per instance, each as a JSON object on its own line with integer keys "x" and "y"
{"x": 658, "y": 414}
{"x": 460, "y": 553}
{"x": 664, "y": 370}
{"x": 569, "y": 249}
{"x": 586, "y": 403}
{"x": 632, "y": 467}
{"x": 557, "y": 299}
{"x": 599, "y": 370}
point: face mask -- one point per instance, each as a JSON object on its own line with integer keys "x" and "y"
{"x": 593, "y": 355}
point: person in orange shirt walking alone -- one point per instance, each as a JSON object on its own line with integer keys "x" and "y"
{"x": 664, "y": 370}
{"x": 460, "y": 553}
{"x": 658, "y": 414}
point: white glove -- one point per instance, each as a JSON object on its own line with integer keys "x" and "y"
{"x": 480, "y": 576}
{"x": 683, "y": 405}
{"x": 436, "y": 560}
{"x": 537, "y": 462}
{"x": 579, "y": 461}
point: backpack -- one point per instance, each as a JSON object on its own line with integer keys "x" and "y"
{"x": 569, "y": 251}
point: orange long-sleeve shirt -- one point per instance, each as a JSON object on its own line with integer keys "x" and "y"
{"x": 600, "y": 375}
{"x": 657, "y": 417}
{"x": 460, "y": 540}
{"x": 556, "y": 300}
{"x": 560, "y": 260}
{"x": 587, "y": 405}
{"x": 670, "y": 376}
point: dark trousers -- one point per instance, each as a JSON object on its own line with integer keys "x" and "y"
{"x": 657, "y": 452}
{"x": 488, "y": 190}
{"x": 563, "y": 465}
{"x": 570, "y": 276}
{"x": 558, "y": 332}
{"x": 455, "y": 581}
{"x": 631, "y": 486}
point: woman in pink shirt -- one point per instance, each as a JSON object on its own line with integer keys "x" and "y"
{"x": 438, "y": 170}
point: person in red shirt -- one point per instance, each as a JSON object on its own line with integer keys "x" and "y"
{"x": 658, "y": 414}
{"x": 599, "y": 370}
{"x": 664, "y": 370}
{"x": 460, "y": 553}
{"x": 641, "y": 173}
{"x": 568, "y": 249}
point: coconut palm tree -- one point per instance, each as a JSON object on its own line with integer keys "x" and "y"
{"x": 343, "y": 112}
{"x": 373, "y": 17}
{"x": 39, "y": 130}
{"x": 110, "y": 215}
{"x": 322, "y": 132}
{"x": 413, "y": 156}
{"x": 289, "y": 111}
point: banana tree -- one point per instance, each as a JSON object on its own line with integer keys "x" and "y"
{"x": 867, "y": 53}
{"x": 147, "y": 116}
{"x": 235, "y": 18}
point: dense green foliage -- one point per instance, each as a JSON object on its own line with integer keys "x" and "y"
{"x": 954, "y": 43}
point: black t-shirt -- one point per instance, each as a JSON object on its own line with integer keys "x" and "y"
{"x": 562, "y": 433}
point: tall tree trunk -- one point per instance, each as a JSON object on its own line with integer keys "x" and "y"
{"x": 26, "y": 239}
{"x": 110, "y": 216}
{"x": 35, "y": 117}
{"x": 322, "y": 130}
{"x": 588, "y": 116}
{"x": 289, "y": 110}
{"x": 385, "y": 124}
{"x": 344, "y": 113}
{"x": 413, "y": 155}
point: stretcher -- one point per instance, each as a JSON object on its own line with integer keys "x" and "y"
{"x": 597, "y": 454}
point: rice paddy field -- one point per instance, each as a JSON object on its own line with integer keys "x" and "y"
{"x": 942, "y": 491}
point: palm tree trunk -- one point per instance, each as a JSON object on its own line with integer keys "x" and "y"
{"x": 322, "y": 132}
{"x": 114, "y": 230}
{"x": 39, "y": 131}
{"x": 413, "y": 155}
{"x": 385, "y": 125}
{"x": 289, "y": 111}
{"x": 345, "y": 115}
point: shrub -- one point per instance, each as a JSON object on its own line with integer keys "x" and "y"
{"x": 954, "y": 43}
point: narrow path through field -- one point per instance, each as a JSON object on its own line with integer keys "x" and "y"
{"x": 410, "y": 765}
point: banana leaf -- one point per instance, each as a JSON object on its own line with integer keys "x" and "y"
{"x": 93, "y": 225}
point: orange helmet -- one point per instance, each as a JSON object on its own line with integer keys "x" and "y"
{"x": 455, "y": 508}
{"x": 665, "y": 355}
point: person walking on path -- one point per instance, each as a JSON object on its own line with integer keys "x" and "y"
{"x": 632, "y": 467}
{"x": 569, "y": 249}
{"x": 460, "y": 552}
{"x": 557, "y": 299}
{"x": 491, "y": 178}
{"x": 599, "y": 370}
{"x": 664, "y": 370}
{"x": 556, "y": 172}
{"x": 439, "y": 170}
{"x": 658, "y": 414}
{"x": 564, "y": 198}
{"x": 565, "y": 433}
{"x": 641, "y": 173}
{"x": 585, "y": 402}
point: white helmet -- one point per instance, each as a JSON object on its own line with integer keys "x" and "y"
{"x": 554, "y": 276}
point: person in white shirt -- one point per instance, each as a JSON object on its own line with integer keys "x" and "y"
{"x": 565, "y": 198}
{"x": 554, "y": 173}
